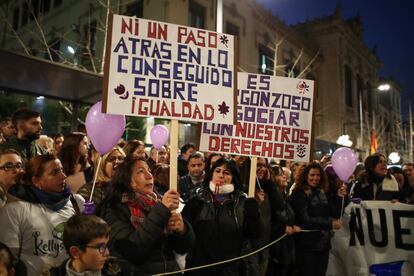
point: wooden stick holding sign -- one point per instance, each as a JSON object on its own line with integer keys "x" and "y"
{"x": 173, "y": 154}
{"x": 252, "y": 179}
{"x": 135, "y": 85}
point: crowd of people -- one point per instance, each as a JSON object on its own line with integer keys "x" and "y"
{"x": 137, "y": 228}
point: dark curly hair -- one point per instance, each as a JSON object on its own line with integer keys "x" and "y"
{"x": 303, "y": 178}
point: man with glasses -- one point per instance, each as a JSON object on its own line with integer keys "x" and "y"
{"x": 29, "y": 127}
{"x": 10, "y": 172}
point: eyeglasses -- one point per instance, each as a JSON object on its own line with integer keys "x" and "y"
{"x": 114, "y": 158}
{"x": 10, "y": 166}
{"x": 100, "y": 247}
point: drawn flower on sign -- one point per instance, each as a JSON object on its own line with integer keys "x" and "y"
{"x": 302, "y": 87}
{"x": 224, "y": 40}
{"x": 223, "y": 108}
{"x": 301, "y": 151}
{"x": 120, "y": 90}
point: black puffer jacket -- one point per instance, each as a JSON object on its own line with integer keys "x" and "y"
{"x": 363, "y": 188}
{"x": 313, "y": 211}
{"x": 147, "y": 249}
{"x": 224, "y": 231}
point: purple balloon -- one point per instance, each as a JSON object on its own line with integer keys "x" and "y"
{"x": 344, "y": 163}
{"x": 159, "y": 136}
{"x": 104, "y": 130}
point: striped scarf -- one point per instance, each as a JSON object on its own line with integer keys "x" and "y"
{"x": 139, "y": 205}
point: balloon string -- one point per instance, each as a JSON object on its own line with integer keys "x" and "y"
{"x": 156, "y": 157}
{"x": 95, "y": 177}
{"x": 342, "y": 206}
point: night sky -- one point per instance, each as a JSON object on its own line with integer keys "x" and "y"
{"x": 386, "y": 23}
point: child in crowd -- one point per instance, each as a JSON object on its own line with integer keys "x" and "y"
{"x": 85, "y": 238}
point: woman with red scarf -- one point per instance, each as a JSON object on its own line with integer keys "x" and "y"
{"x": 145, "y": 230}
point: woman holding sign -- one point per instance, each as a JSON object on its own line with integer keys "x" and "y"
{"x": 144, "y": 229}
{"x": 316, "y": 212}
{"x": 225, "y": 222}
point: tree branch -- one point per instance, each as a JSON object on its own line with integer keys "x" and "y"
{"x": 290, "y": 74}
{"x": 69, "y": 111}
{"x": 309, "y": 64}
{"x": 16, "y": 35}
{"x": 40, "y": 29}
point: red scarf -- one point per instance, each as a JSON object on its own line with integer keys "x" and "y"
{"x": 139, "y": 205}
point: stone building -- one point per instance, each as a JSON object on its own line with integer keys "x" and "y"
{"x": 329, "y": 50}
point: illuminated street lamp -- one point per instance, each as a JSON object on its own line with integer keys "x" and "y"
{"x": 344, "y": 140}
{"x": 394, "y": 157}
{"x": 384, "y": 87}
{"x": 71, "y": 50}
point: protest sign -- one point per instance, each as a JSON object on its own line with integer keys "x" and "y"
{"x": 162, "y": 70}
{"x": 274, "y": 119}
{"x": 376, "y": 236}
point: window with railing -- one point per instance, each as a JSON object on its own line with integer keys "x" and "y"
{"x": 265, "y": 60}
{"x": 136, "y": 8}
{"x": 196, "y": 15}
{"x": 232, "y": 29}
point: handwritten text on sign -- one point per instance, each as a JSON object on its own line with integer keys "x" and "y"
{"x": 170, "y": 71}
{"x": 274, "y": 119}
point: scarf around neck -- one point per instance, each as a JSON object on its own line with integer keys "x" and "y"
{"x": 52, "y": 201}
{"x": 221, "y": 193}
{"x": 139, "y": 205}
{"x": 221, "y": 189}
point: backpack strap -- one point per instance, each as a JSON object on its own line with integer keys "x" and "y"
{"x": 75, "y": 204}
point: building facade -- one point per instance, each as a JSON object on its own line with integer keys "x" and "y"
{"x": 329, "y": 50}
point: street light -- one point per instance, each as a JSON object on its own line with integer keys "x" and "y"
{"x": 394, "y": 157}
{"x": 344, "y": 140}
{"x": 384, "y": 87}
{"x": 71, "y": 50}
{"x": 381, "y": 87}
